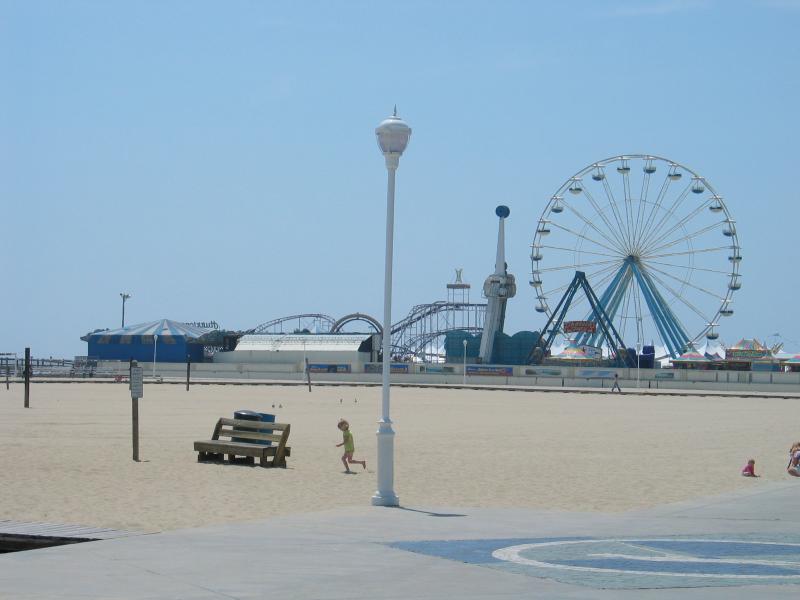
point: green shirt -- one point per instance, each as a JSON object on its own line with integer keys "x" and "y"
{"x": 348, "y": 441}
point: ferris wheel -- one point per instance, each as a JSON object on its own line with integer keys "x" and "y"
{"x": 657, "y": 244}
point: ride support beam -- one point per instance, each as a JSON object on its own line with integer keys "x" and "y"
{"x": 667, "y": 334}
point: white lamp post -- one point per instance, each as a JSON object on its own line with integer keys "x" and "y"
{"x": 638, "y": 354}
{"x": 464, "y": 381}
{"x": 393, "y": 135}
{"x": 155, "y": 349}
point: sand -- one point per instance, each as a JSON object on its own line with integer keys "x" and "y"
{"x": 67, "y": 459}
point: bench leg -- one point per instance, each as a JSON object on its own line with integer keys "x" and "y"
{"x": 231, "y": 458}
{"x": 209, "y": 456}
{"x": 264, "y": 461}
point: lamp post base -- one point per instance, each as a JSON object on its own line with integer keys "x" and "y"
{"x": 385, "y": 495}
{"x": 380, "y": 500}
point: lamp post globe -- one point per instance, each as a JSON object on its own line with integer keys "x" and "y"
{"x": 392, "y": 135}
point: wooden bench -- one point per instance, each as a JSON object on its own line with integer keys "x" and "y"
{"x": 270, "y": 456}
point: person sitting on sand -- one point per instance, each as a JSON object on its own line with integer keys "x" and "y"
{"x": 749, "y": 469}
{"x": 794, "y": 460}
{"x": 349, "y": 447}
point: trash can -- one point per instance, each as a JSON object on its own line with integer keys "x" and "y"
{"x": 250, "y": 415}
{"x": 266, "y": 418}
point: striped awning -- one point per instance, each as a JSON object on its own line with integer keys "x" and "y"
{"x": 692, "y": 356}
{"x": 167, "y": 331}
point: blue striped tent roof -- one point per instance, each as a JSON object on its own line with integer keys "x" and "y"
{"x": 167, "y": 331}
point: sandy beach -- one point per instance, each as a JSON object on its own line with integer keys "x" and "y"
{"x": 67, "y": 459}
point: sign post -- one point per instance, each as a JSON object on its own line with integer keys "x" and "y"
{"x": 308, "y": 375}
{"x": 188, "y": 370}
{"x": 137, "y": 391}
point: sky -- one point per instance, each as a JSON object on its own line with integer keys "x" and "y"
{"x": 217, "y": 160}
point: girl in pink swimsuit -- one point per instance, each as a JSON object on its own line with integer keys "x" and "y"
{"x": 749, "y": 469}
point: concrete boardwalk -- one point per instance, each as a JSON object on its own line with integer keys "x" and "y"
{"x": 743, "y": 545}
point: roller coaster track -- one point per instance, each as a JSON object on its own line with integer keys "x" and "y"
{"x": 337, "y": 326}
{"x": 423, "y": 311}
{"x": 426, "y": 323}
{"x": 314, "y": 317}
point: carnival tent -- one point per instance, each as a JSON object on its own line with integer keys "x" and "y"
{"x": 750, "y": 354}
{"x": 793, "y": 363}
{"x": 163, "y": 341}
{"x": 750, "y": 348}
{"x": 692, "y": 358}
{"x": 573, "y": 352}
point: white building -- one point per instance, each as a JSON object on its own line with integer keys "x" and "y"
{"x": 327, "y": 353}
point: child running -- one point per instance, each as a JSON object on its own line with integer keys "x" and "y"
{"x": 349, "y": 447}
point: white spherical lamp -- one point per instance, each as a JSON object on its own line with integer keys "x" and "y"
{"x": 393, "y": 135}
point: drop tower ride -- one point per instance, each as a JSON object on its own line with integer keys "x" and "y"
{"x": 498, "y": 288}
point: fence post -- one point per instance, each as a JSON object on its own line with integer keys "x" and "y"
{"x": 27, "y": 377}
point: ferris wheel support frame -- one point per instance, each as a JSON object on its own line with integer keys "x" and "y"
{"x": 665, "y": 319}
{"x": 610, "y": 301}
{"x": 672, "y": 333}
{"x": 610, "y": 334}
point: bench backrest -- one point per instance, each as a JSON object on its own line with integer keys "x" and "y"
{"x": 248, "y": 430}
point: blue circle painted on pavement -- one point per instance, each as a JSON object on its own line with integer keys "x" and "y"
{"x": 632, "y": 561}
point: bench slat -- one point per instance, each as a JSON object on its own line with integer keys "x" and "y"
{"x": 250, "y": 435}
{"x": 253, "y": 424}
{"x": 238, "y": 448}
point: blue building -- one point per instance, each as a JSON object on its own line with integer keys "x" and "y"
{"x": 162, "y": 341}
{"x": 506, "y": 350}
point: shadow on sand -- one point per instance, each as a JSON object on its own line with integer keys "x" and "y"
{"x": 429, "y": 513}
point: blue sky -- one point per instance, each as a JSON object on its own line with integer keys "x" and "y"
{"x": 218, "y": 161}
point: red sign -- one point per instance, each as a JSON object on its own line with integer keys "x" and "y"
{"x": 580, "y": 327}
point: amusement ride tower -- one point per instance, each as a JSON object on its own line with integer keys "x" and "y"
{"x": 498, "y": 288}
